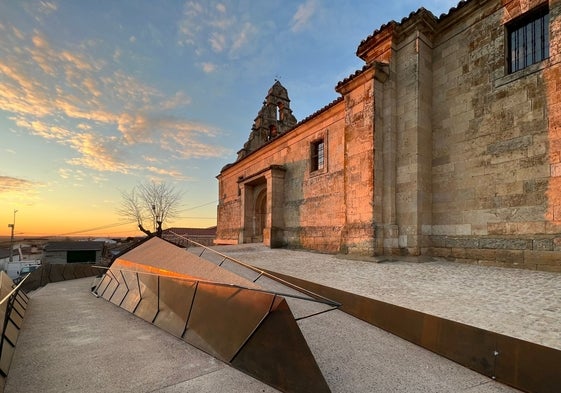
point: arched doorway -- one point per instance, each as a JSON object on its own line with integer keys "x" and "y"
{"x": 260, "y": 215}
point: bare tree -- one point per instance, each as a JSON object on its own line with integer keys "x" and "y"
{"x": 151, "y": 202}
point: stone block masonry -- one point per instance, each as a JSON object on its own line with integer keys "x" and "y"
{"x": 436, "y": 147}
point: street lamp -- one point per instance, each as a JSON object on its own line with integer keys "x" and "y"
{"x": 13, "y": 226}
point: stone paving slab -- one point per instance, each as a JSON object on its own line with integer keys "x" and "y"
{"x": 525, "y": 304}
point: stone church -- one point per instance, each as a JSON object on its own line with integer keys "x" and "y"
{"x": 447, "y": 143}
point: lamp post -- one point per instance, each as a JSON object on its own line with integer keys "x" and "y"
{"x": 13, "y": 226}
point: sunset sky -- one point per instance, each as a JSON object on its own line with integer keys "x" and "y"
{"x": 97, "y": 96}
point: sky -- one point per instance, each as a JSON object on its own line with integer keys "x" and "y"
{"x": 99, "y": 96}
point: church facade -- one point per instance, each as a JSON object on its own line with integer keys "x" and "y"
{"x": 447, "y": 143}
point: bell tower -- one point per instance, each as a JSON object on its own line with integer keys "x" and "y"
{"x": 274, "y": 118}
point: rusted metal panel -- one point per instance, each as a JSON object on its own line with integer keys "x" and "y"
{"x": 19, "y": 309}
{"x": 56, "y": 273}
{"x": 148, "y": 306}
{"x": 22, "y": 299}
{"x": 467, "y": 345}
{"x": 102, "y": 285}
{"x": 68, "y": 272}
{"x": 278, "y": 354}
{"x": 16, "y": 318}
{"x": 223, "y": 317}
{"x": 175, "y": 301}
{"x": 5, "y": 285}
{"x": 110, "y": 288}
{"x": 6, "y": 356}
{"x": 132, "y": 298}
{"x": 121, "y": 291}
{"x": 527, "y": 366}
{"x": 11, "y": 333}
{"x": 45, "y": 272}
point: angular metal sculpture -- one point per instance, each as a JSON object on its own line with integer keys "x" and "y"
{"x": 215, "y": 310}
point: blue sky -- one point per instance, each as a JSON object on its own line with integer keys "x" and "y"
{"x": 97, "y": 96}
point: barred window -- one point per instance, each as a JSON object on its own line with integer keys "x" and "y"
{"x": 317, "y": 155}
{"x": 528, "y": 39}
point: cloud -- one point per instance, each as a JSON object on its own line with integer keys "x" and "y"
{"x": 166, "y": 172}
{"x": 46, "y": 7}
{"x": 92, "y": 106}
{"x": 101, "y": 154}
{"x": 209, "y": 26}
{"x": 178, "y": 100}
{"x": 208, "y": 68}
{"x": 303, "y": 14}
{"x": 14, "y": 184}
{"x": 17, "y": 191}
{"x": 246, "y": 32}
{"x": 217, "y": 41}
{"x": 178, "y": 136}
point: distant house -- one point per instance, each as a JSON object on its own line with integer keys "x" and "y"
{"x": 5, "y": 257}
{"x": 204, "y": 236}
{"x": 73, "y": 252}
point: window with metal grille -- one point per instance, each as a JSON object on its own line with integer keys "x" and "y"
{"x": 317, "y": 155}
{"x": 528, "y": 39}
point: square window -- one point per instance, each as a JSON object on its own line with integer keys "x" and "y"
{"x": 528, "y": 39}
{"x": 317, "y": 155}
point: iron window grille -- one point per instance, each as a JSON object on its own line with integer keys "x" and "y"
{"x": 528, "y": 39}
{"x": 317, "y": 156}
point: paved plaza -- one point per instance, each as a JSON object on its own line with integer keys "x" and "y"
{"x": 72, "y": 341}
{"x": 525, "y": 304}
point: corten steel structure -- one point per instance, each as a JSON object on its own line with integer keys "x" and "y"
{"x": 446, "y": 143}
{"x": 220, "y": 312}
{"x": 524, "y": 365}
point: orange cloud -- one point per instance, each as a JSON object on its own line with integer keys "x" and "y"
{"x": 11, "y": 184}
{"x": 78, "y": 101}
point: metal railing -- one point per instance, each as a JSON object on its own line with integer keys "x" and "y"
{"x": 12, "y": 307}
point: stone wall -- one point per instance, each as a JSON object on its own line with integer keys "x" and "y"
{"x": 491, "y": 146}
{"x": 312, "y": 204}
{"x": 358, "y": 163}
{"x": 434, "y": 149}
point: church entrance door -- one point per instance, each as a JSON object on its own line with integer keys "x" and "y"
{"x": 260, "y": 215}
